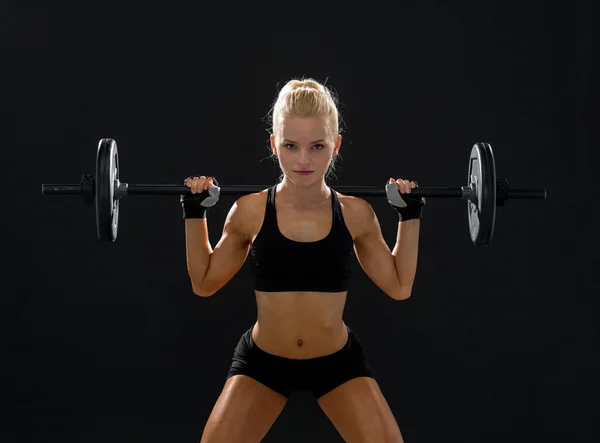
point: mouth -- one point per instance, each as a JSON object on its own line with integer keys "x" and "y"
{"x": 304, "y": 172}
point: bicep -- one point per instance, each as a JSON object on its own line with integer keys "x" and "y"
{"x": 229, "y": 254}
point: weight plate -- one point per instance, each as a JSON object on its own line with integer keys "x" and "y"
{"x": 482, "y": 209}
{"x": 107, "y": 202}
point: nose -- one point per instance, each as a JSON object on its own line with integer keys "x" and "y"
{"x": 303, "y": 157}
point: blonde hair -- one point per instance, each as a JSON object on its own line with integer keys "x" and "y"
{"x": 307, "y": 97}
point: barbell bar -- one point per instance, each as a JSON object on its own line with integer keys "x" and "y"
{"x": 483, "y": 191}
{"x": 357, "y": 191}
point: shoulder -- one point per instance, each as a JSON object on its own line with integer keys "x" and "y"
{"x": 358, "y": 214}
{"x": 251, "y": 203}
{"x": 354, "y": 207}
{"x": 247, "y": 213}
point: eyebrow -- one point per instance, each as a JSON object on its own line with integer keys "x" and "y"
{"x": 312, "y": 143}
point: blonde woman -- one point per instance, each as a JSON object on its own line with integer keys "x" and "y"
{"x": 301, "y": 235}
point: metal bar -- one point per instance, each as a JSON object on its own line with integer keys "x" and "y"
{"x": 359, "y": 191}
{"x": 61, "y": 189}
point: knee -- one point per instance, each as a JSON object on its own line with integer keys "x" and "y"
{"x": 375, "y": 433}
{"x": 390, "y": 437}
{"x": 387, "y": 434}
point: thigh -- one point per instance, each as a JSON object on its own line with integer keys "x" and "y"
{"x": 244, "y": 412}
{"x": 360, "y": 413}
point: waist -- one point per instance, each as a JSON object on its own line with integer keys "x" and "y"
{"x": 300, "y": 325}
{"x": 284, "y": 343}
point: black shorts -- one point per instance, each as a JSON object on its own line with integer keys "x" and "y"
{"x": 318, "y": 375}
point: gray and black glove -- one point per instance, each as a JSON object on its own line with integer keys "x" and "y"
{"x": 408, "y": 206}
{"x": 204, "y": 195}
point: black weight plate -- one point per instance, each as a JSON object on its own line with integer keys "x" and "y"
{"x": 107, "y": 203}
{"x": 482, "y": 177}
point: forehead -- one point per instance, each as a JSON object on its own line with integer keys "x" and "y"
{"x": 304, "y": 128}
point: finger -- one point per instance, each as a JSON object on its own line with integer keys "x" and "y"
{"x": 209, "y": 183}
{"x": 407, "y": 187}
{"x": 190, "y": 181}
{"x": 201, "y": 183}
{"x": 195, "y": 185}
{"x": 401, "y": 185}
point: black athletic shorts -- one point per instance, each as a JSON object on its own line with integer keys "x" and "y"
{"x": 318, "y": 375}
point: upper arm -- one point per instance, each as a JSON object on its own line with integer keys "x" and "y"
{"x": 372, "y": 252}
{"x": 231, "y": 251}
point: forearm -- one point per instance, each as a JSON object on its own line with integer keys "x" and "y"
{"x": 198, "y": 249}
{"x": 406, "y": 252}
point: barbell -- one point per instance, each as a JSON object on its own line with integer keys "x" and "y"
{"x": 483, "y": 192}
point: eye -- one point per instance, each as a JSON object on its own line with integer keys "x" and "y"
{"x": 318, "y": 147}
{"x": 290, "y": 146}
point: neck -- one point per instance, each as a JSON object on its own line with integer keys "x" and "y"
{"x": 316, "y": 193}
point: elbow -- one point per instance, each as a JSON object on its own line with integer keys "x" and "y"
{"x": 401, "y": 293}
{"x": 201, "y": 291}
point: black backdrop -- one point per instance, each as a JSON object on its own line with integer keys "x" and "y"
{"x": 106, "y": 342}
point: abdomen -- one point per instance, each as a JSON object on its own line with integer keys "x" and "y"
{"x": 300, "y": 324}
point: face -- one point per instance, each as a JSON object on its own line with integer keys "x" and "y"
{"x": 304, "y": 149}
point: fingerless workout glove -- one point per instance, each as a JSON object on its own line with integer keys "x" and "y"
{"x": 196, "y": 205}
{"x": 408, "y": 206}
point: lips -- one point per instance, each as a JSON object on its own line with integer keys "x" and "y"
{"x": 303, "y": 172}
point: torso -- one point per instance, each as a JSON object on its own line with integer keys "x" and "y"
{"x": 300, "y": 325}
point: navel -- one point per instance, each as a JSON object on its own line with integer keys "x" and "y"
{"x": 300, "y": 342}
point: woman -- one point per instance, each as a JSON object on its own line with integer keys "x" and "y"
{"x": 301, "y": 235}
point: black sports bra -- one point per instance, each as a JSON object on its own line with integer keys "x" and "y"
{"x": 281, "y": 264}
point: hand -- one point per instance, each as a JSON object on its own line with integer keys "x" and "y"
{"x": 199, "y": 184}
{"x": 409, "y": 207}
{"x": 404, "y": 186}
{"x": 204, "y": 195}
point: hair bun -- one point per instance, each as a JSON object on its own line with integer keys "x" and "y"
{"x": 306, "y": 83}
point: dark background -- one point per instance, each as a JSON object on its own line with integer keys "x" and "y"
{"x": 106, "y": 342}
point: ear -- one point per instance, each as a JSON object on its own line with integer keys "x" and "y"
{"x": 338, "y": 145}
{"x": 273, "y": 145}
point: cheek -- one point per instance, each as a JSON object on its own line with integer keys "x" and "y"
{"x": 283, "y": 158}
{"x": 327, "y": 158}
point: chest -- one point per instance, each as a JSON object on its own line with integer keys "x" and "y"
{"x": 304, "y": 225}
{"x": 297, "y": 244}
